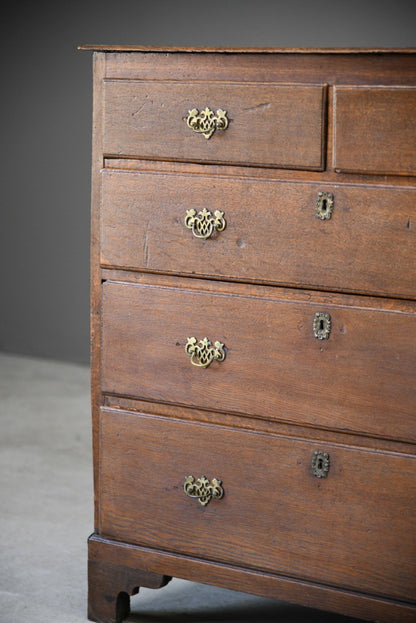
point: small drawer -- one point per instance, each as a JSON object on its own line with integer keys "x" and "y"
{"x": 337, "y": 237}
{"x": 375, "y": 130}
{"x": 267, "y": 124}
{"x": 276, "y": 355}
{"x": 328, "y": 513}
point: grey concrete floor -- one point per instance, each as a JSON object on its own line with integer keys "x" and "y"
{"x": 46, "y": 513}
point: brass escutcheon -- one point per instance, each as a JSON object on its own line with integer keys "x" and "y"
{"x": 324, "y": 205}
{"x": 202, "y": 489}
{"x": 204, "y": 223}
{"x": 203, "y": 353}
{"x": 206, "y": 121}
{"x": 320, "y": 464}
{"x": 322, "y": 325}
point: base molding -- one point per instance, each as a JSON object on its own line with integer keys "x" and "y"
{"x": 117, "y": 570}
{"x": 110, "y": 586}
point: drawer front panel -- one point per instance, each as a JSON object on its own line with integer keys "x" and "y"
{"x": 350, "y": 528}
{"x": 272, "y": 232}
{"x": 360, "y": 379}
{"x": 375, "y": 130}
{"x": 268, "y": 124}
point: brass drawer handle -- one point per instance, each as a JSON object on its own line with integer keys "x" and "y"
{"x": 320, "y": 464}
{"x": 324, "y": 205}
{"x": 206, "y": 121}
{"x": 322, "y": 325}
{"x": 202, "y": 489}
{"x": 203, "y": 353}
{"x": 204, "y": 223}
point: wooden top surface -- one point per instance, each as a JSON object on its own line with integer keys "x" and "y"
{"x": 238, "y": 50}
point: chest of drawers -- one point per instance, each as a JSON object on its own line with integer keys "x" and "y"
{"x": 254, "y": 326}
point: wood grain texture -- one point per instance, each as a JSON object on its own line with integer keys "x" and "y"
{"x": 375, "y": 130}
{"x": 258, "y": 424}
{"x": 329, "y": 176}
{"x": 265, "y": 584}
{"x": 287, "y": 374}
{"x": 247, "y": 50}
{"x": 273, "y": 125}
{"x": 110, "y": 587}
{"x": 272, "y": 234}
{"x": 317, "y": 297}
{"x": 326, "y": 530}
{"x": 301, "y": 121}
{"x": 95, "y": 275}
{"x": 343, "y": 68}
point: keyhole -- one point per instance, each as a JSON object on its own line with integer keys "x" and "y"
{"x": 320, "y": 464}
{"x": 324, "y": 205}
{"x": 322, "y": 325}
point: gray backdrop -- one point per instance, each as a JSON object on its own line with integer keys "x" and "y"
{"x": 46, "y": 137}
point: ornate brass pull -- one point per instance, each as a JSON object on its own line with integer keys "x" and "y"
{"x": 322, "y": 325}
{"x": 206, "y": 122}
{"x": 320, "y": 464}
{"x": 204, "y": 223}
{"x": 324, "y": 205}
{"x": 202, "y": 354}
{"x": 202, "y": 489}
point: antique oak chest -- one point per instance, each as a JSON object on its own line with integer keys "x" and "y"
{"x": 254, "y": 326}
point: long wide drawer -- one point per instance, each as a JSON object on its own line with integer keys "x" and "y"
{"x": 263, "y": 124}
{"x": 275, "y": 356}
{"x": 339, "y": 237}
{"x": 352, "y": 527}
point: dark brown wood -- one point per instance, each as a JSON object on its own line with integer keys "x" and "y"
{"x": 306, "y": 529}
{"x": 301, "y": 121}
{"x": 318, "y": 297}
{"x": 95, "y": 274}
{"x": 310, "y": 594}
{"x": 258, "y": 424}
{"x": 329, "y": 176}
{"x": 375, "y": 130}
{"x": 272, "y": 233}
{"x": 110, "y": 587}
{"x": 271, "y": 352}
{"x": 147, "y": 119}
{"x": 343, "y": 68}
{"x": 237, "y": 50}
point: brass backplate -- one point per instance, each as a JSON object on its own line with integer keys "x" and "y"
{"x": 322, "y": 325}
{"x": 202, "y": 489}
{"x": 203, "y": 353}
{"x": 204, "y": 224}
{"x": 320, "y": 464}
{"x": 206, "y": 121}
{"x": 324, "y": 205}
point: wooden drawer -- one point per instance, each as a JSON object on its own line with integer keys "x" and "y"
{"x": 360, "y": 379}
{"x": 375, "y": 130}
{"x": 232, "y": 358}
{"x": 272, "y": 233}
{"x": 350, "y": 528}
{"x": 268, "y": 124}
